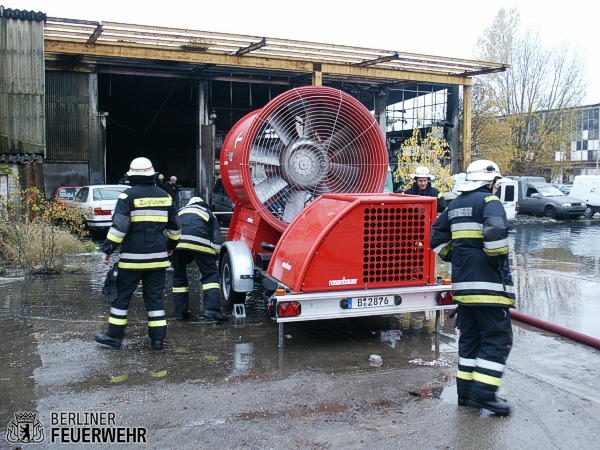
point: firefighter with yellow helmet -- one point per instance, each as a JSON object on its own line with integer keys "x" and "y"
{"x": 146, "y": 227}
{"x": 422, "y": 179}
{"x": 473, "y": 234}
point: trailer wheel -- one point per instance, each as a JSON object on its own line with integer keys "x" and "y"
{"x": 230, "y": 297}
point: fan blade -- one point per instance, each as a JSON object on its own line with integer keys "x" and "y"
{"x": 338, "y": 141}
{"x": 294, "y": 204}
{"x": 269, "y": 188}
{"x": 284, "y": 126}
{"x": 306, "y": 127}
{"x": 322, "y": 189}
{"x": 269, "y": 156}
{"x": 342, "y": 177}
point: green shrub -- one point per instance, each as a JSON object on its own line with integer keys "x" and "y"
{"x": 38, "y": 235}
{"x": 39, "y": 247}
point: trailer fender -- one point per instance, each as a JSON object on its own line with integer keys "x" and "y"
{"x": 242, "y": 265}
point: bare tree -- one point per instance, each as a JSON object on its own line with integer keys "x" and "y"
{"x": 523, "y": 118}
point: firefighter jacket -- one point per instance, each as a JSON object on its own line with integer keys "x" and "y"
{"x": 145, "y": 225}
{"x": 200, "y": 230}
{"x": 473, "y": 234}
{"x": 430, "y": 191}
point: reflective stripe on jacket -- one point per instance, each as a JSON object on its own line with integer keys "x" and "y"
{"x": 473, "y": 234}
{"x": 145, "y": 225}
{"x": 200, "y": 230}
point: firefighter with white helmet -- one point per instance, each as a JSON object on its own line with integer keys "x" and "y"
{"x": 200, "y": 242}
{"x": 473, "y": 234}
{"x": 422, "y": 179}
{"x": 146, "y": 227}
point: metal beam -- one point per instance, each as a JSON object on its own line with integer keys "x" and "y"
{"x": 466, "y": 135}
{"x": 118, "y": 50}
{"x": 383, "y": 59}
{"x": 251, "y": 48}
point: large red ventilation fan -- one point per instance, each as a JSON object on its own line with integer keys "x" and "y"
{"x": 305, "y": 142}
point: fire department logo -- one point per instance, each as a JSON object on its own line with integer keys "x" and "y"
{"x": 25, "y": 428}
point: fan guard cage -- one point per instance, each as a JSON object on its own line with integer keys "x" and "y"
{"x": 306, "y": 142}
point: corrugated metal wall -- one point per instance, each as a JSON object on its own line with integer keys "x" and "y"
{"x": 67, "y": 116}
{"x": 22, "y": 108}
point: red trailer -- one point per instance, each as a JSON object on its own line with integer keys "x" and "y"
{"x": 311, "y": 227}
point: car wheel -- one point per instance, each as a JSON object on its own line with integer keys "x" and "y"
{"x": 230, "y": 297}
{"x": 550, "y": 211}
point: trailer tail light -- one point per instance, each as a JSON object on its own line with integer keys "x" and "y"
{"x": 102, "y": 212}
{"x": 444, "y": 298}
{"x": 289, "y": 309}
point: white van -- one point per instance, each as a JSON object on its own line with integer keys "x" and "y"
{"x": 507, "y": 193}
{"x": 587, "y": 189}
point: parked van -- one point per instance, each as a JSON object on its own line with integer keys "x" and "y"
{"x": 587, "y": 189}
{"x": 507, "y": 193}
{"x": 536, "y": 196}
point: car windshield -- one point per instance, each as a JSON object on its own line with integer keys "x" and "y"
{"x": 108, "y": 193}
{"x": 550, "y": 191}
{"x": 565, "y": 189}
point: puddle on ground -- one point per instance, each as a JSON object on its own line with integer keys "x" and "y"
{"x": 47, "y": 325}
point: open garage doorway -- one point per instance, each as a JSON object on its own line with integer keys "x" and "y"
{"x": 154, "y": 117}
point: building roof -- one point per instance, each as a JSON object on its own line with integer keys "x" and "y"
{"x": 70, "y": 41}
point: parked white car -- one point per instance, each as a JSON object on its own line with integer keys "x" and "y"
{"x": 99, "y": 202}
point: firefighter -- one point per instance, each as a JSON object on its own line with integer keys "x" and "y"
{"x": 422, "y": 186}
{"x": 473, "y": 234}
{"x": 147, "y": 228}
{"x": 200, "y": 242}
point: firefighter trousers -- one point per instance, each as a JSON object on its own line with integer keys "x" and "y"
{"x": 207, "y": 264}
{"x": 483, "y": 346}
{"x": 153, "y": 283}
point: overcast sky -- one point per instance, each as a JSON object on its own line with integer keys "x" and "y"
{"x": 433, "y": 27}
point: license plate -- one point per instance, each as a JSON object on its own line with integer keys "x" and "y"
{"x": 371, "y": 302}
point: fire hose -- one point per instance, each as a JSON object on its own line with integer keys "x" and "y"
{"x": 574, "y": 335}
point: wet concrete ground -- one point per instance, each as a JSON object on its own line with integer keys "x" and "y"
{"x": 230, "y": 386}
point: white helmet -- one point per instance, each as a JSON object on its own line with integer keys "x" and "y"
{"x": 141, "y": 167}
{"x": 195, "y": 200}
{"x": 422, "y": 172}
{"x": 479, "y": 173}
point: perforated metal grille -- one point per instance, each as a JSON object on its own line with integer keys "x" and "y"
{"x": 394, "y": 244}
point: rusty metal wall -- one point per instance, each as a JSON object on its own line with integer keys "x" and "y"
{"x": 22, "y": 114}
{"x": 67, "y": 116}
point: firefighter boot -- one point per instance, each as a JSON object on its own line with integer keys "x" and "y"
{"x": 183, "y": 316}
{"x": 215, "y": 314}
{"x": 156, "y": 344}
{"x": 105, "y": 339}
{"x": 463, "y": 401}
{"x": 494, "y": 405}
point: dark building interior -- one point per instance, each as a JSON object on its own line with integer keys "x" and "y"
{"x": 157, "y": 117}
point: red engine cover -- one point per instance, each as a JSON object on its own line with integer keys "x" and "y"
{"x": 357, "y": 241}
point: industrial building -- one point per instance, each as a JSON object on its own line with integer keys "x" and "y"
{"x": 80, "y": 99}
